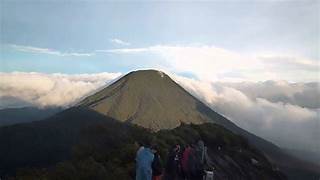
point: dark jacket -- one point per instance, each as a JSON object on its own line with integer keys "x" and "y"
{"x": 173, "y": 163}
{"x": 156, "y": 165}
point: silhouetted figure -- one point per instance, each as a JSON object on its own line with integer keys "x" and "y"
{"x": 172, "y": 169}
{"x": 185, "y": 160}
{"x": 156, "y": 165}
{"x": 199, "y": 162}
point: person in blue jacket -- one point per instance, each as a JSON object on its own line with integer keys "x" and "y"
{"x": 144, "y": 161}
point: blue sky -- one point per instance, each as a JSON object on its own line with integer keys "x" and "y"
{"x": 97, "y": 36}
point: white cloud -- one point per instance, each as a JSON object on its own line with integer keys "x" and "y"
{"x": 287, "y": 114}
{"x": 268, "y": 116}
{"x": 119, "y": 42}
{"x": 124, "y": 50}
{"x": 218, "y": 64}
{"x": 42, "y": 90}
{"x": 38, "y": 50}
{"x": 214, "y": 63}
{"x": 301, "y": 94}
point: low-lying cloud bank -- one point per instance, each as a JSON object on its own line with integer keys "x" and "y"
{"x": 287, "y": 114}
{"x": 300, "y": 94}
{"x": 41, "y": 90}
{"x": 284, "y": 113}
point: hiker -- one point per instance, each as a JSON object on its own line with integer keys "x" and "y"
{"x": 144, "y": 161}
{"x": 172, "y": 169}
{"x": 199, "y": 162}
{"x": 205, "y": 158}
{"x": 185, "y": 161}
{"x": 156, "y": 165}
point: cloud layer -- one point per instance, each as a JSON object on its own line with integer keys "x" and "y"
{"x": 219, "y": 64}
{"x": 281, "y": 112}
{"x": 119, "y": 42}
{"x": 207, "y": 62}
{"x": 287, "y": 114}
{"x": 38, "y": 50}
{"x": 38, "y": 89}
{"x": 300, "y": 94}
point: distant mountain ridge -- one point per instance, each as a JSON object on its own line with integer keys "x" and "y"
{"x": 10, "y": 116}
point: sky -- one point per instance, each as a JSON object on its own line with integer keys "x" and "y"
{"x": 212, "y": 40}
{"x": 255, "y": 62}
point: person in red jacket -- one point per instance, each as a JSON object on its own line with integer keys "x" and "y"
{"x": 185, "y": 161}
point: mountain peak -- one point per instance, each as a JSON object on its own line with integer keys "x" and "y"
{"x": 148, "y": 72}
{"x": 148, "y": 75}
{"x": 149, "y": 98}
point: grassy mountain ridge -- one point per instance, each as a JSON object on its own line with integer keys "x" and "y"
{"x": 82, "y": 144}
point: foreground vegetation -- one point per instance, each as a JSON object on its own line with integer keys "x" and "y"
{"x": 84, "y": 147}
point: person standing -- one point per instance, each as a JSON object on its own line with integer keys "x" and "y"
{"x": 173, "y": 168}
{"x": 186, "y": 155}
{"x": 199, "y": 161}
{"x": 156, "y": 165}
{"x": 144, "y": 161}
